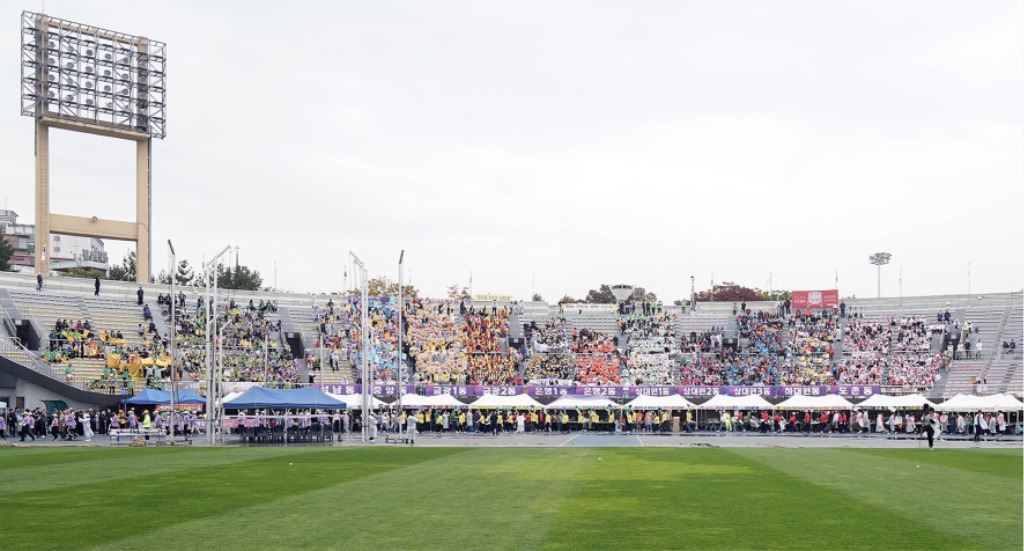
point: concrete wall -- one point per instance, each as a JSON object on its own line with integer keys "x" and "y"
{"x": 14, "y": 388}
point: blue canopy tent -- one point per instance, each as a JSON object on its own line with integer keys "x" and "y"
{"x": 162, "y": 397}
{"x": 308, "y": 398}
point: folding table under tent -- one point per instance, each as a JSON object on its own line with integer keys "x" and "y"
{"x": 286, "y": 427}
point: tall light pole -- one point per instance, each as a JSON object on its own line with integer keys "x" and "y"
{"x": 173, "y": 334}
{"x": 693, "y": 294}
{"x": 401, "y": 306}
{"x": 359, "y": 273}
{"x": 879, "y": 260}
{"x": 210, "y": 276}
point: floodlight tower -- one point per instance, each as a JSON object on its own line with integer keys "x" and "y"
{"x": 880, "y": 259}
{"x": 86, "y": 79}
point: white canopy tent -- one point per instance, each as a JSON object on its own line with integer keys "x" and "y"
{"x": 413, "y": 401}
{"x": 438, "y": 401}
{"x": 724, "y": 401}
{"x": 228, "y": 397}
{"x": 878, "y": 401}
{"x": 674, "y": 401}
{"x": 582, "y": 402}
{"x": 355, "y": 401}
{"x": 911, "y": 401}
{"x": 963, "y": 402}
{"x": 519, "y": 401}
{"x": 828, "y": 401}
{"x": 1004, "y": 402}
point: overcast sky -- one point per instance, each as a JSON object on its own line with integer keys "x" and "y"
{"x": 567, "y": 143}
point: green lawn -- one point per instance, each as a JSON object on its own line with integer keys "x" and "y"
{"x": 494, "y": 498}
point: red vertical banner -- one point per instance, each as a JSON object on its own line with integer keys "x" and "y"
{"x": 828, "y": 298}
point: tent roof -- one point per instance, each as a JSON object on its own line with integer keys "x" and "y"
{"x": 673, "y": 401}
{"x": 1004, "y": 402}
{"x": 724, "y": 401}
{"x": 911, "y": 401}
{"x": 355, "y": 401}
{"x": 160, "y": 397}
{"x": 414, "y": 401}
{"x": 520, "y": 401}
{"x": 307, "y": 397}
{"x": 963, "y": 402}
{"x": 582, "y": 402}
{"x": 877, "y": 401}
{"x": 828, "y": 401}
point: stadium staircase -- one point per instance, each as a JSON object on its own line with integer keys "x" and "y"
{"x": 22, "y": 363}
{"x": 1004, "y": 373}
{"x": 158, "y": 320}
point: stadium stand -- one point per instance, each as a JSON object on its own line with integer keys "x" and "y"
{"x": 903, "y": 348}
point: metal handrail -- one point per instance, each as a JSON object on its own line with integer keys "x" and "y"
{"x": 13, "y": 344}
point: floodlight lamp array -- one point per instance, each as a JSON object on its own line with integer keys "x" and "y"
{"x": 90, "y": 75}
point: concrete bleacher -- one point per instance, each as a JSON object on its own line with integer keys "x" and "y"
{"x": 603, "y": 321}
{"x": 1006, "y": 373}
{"x": 960, "y": 378}
{"x": 987, "y": 320}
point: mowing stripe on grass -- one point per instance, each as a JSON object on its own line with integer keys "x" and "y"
{"x": 524, "y": 498}
{"x": 967, "y": 508}
{"x": 114, "y": 509}
{"x": 713, "y": 499}
{"x": 487, "y": 498}
{"x": 111, "y": 464}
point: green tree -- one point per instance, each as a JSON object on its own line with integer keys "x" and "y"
{"x": 124, "y": 271}
{"x": 239, "y": 277}
{"x": 567, "y": 300}
{"x": 381, "y": 287}
{"x": 728, "y": 291}
{"x": 6, "y": 252}
{"x": 456, "y": 292}
{"x": 537, "y": 298}
{"x": 602, "y": 295}
{"x": 185, "y": 275}
{"x": 83, "y": 273}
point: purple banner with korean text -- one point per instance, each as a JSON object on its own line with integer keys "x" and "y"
{"x": 551, "y": 390}
{"x": 378, "y": 389}
{"x": 846, "y": 391}
{"x": 652, "y": 390}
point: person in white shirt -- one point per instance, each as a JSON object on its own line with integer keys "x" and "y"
{"x": 87, "y": 426}
{"x": 410, "y": 431}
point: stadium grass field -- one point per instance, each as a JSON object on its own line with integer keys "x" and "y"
{"x": 504, "y": 498}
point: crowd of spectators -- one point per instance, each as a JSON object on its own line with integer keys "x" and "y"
{"x": 908, "y": 334}
{"x": 434, "y": 347}
{"x": 249, "y": 339}
{"x": 705, "y": 342}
